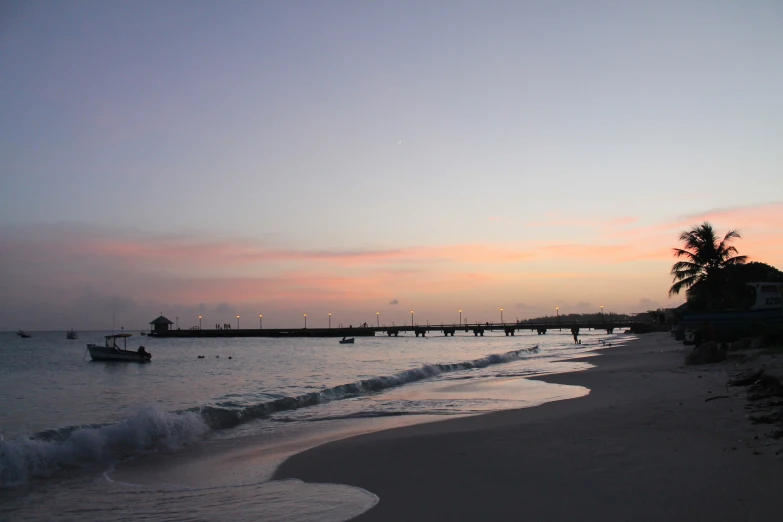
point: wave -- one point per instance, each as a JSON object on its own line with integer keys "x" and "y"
{"x": 150, "y": 430}
{"x": 219, "y": 418}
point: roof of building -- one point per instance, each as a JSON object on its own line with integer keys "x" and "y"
{"x": 161, "y": 320}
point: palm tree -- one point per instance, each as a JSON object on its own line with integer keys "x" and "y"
{"x": 705, "y": 258}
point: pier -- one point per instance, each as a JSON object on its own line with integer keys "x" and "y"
{"x": 477, "y": 330}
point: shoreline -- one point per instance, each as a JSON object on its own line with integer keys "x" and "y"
{"x": 644, "y": 444}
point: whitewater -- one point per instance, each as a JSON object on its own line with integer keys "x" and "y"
{"x": 216, "y": 416}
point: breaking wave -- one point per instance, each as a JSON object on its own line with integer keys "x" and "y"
{"x": 151, "y": 430}
{"x": 148, "y": 430}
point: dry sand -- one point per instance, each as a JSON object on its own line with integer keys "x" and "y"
{"x": 645, "y": 444}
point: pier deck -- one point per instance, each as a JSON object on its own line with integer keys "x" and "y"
{"x": 423, "y": 330}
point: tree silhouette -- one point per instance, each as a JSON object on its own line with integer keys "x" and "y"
{"x": 705, "y": 257}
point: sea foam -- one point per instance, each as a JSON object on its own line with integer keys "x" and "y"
{"x": 25, "y": 458}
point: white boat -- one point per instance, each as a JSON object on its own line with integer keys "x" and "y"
{"x": 71, "y": 334}
{"x": 111, "y": 352}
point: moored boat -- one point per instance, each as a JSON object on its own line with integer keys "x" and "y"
{"x": 71, "y": 334}
{"x": 111, "y": 352}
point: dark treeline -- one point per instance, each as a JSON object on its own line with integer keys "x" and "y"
{"x": 581, "y": 318}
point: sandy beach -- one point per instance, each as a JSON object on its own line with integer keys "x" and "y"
{"x": 654, "y": 440}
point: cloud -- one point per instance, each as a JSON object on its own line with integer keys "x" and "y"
{"x": 47, "y": 268}
{"x": 582, "y": 305}
{"x": 648, "y": 304}
{"x": 769, "y": 209}
{"x": 225, "y": 309}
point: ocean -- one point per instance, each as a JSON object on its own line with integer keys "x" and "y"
{"x": 198, "y": 438}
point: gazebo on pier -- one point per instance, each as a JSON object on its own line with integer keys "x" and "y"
{"x": 161, "y": 324}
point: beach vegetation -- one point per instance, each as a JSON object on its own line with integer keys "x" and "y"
{"x": 731, "y": 290}
{"x": 702, "y": 261}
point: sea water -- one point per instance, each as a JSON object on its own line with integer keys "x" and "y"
{"x": 198, "y": 438}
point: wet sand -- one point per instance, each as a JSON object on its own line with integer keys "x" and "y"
{"x": 645, "y": 444}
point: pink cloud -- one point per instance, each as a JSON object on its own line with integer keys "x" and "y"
{"x": 758, "y": 214}
{"x": 40, "y": 261}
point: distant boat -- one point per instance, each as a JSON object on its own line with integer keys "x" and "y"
{"x": 143, "y": 333}
{"x": 71, "y": 334}
{"x": 346, "y": 341}
{"x": 111, "y": 352}
{"x": 23, "y": 334}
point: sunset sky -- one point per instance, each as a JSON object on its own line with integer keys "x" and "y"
{"x": 281, "y": 158}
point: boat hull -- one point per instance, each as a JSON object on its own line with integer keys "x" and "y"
{"x": 101, "y": 353}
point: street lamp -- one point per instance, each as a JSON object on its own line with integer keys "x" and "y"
{"x": 602, "y": 313}
{"x": 260, "y": 321}
{"x": 411, "y": 318}
{"x": 237, "y": 322}
{"x": 305, "y": 316}
{"x": 378, "y": 319}
{"x": 330, "y": 319}
{"x": 460, "y": 317}
{"x": 199, "y": 322}
{"x": 557, "y": 309}
{"x": 501, "y": 316}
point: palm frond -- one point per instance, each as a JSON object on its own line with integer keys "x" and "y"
{"x": 679, "y": 252}
{"x": 736, "y": 260}
{"x": 679, "y": 286}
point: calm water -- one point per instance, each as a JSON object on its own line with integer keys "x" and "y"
{"x": 83, "y": 439}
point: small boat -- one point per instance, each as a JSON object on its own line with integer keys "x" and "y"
{"x": 346, "y": 341}
{"x": 111, "y": 352}
{"x": 71, "y": 334}
{"x": 143, "y": 333}
{"x": 23, "y": 334}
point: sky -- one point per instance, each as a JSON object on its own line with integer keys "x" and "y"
{"x": 288, "y": 158}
